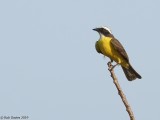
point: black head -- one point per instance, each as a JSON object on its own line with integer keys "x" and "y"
{"x": 103, "y": 30}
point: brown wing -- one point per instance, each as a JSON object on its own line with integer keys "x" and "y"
{"x": 118, "y": 46}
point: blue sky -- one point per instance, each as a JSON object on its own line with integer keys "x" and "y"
{"x": 49, "y": 68}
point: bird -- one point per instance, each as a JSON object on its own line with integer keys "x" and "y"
{"x": 109, "y": 46}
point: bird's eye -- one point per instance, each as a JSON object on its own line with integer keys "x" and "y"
{"x": 102, "y": 29}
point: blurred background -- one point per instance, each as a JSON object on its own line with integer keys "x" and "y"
{"x": 49, "y": 68}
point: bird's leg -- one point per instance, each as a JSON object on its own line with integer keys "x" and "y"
{"x": 110, "y": 62}
{"x": 115, "y": 65}
{"x": 111, "y": 67}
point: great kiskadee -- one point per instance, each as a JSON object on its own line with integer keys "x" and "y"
{"x": 109, "y": 46}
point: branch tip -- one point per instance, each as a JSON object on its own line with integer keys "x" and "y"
{"x": 120, "y": 92}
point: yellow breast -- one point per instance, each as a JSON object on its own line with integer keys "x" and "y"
{"x": 105, "y": 46}
{"x": 108, "y": 50}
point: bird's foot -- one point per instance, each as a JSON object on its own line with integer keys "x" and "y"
{"x": 111, "y": 67}
{"x": 111, "y": 60}
{"x": 115, "y": 65}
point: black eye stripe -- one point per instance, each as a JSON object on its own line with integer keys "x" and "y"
{"x": 104, "y": 31}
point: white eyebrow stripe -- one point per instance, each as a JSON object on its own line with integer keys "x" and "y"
{"x": 107, "y": 28}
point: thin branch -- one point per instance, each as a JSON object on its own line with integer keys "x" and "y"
{"x": 120, "y": 92}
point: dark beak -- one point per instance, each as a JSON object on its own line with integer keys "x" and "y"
{"x": 96, "y": 29}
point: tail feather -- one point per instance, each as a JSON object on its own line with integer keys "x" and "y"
{"x": 130, "y": 73}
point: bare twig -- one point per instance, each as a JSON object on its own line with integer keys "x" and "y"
{"x": 120, "y": 92}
